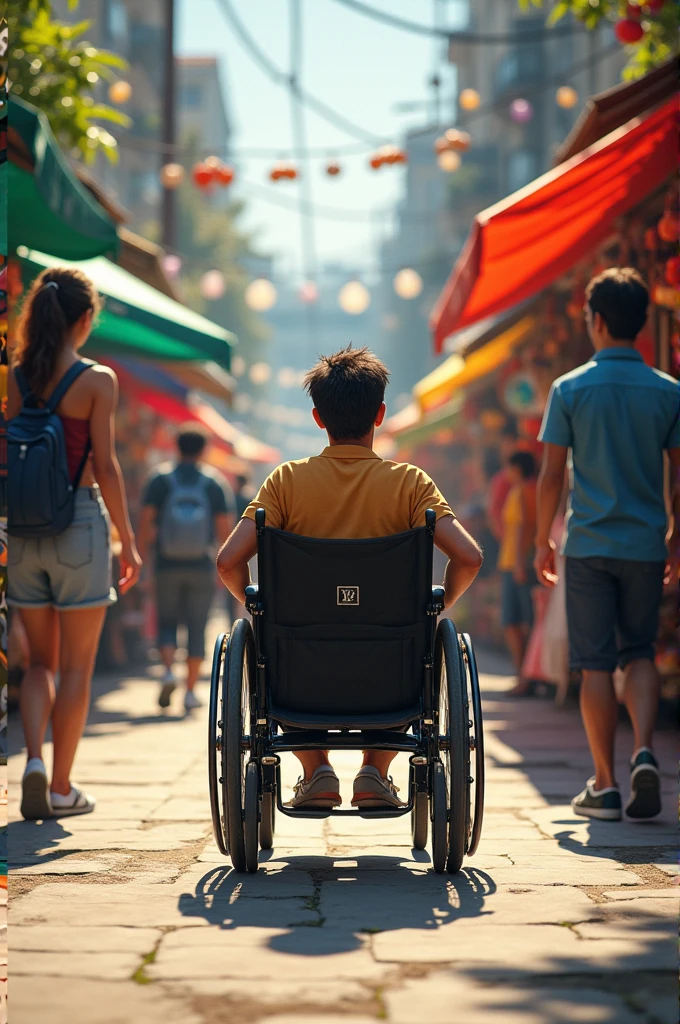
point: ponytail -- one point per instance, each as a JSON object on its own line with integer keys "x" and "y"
{"x": 57, "y": 299}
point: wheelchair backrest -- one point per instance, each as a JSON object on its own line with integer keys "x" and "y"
{"x": 345, "y": 628}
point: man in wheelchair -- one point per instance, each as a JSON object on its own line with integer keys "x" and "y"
{"x": 348, "y": 492}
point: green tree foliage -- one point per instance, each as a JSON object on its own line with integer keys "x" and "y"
{"x": 660, "y": 26}
{"x": 208, "y": 239}
{"x": 53, "y": 66}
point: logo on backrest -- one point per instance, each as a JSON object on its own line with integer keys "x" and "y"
{"x": 348, "y": 595}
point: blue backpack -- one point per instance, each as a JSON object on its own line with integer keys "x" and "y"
{"x": 40, "y": 493}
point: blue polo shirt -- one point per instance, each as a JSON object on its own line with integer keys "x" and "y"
{"x": 616, "y": 415}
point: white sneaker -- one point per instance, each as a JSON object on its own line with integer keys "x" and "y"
{"x": 191, "y": 701}
{"x": 320, "y": 792}
{"x": 168, "y": 687}
{"x": 372, "y": 790}
{"x": 35, "y": 792}
{"x": 76, "y": 802}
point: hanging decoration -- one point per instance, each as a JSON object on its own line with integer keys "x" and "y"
{"x": 469, "y": 99}
{"x": 521, "y": 111}
{"x": 171, "y": 176}
{"x": 120, "y": 92}
{"x": 668, "y": 227}
{"x": 238, "y": 366}
{"x": 260, "y": 373}
{"x": 260, "y": 295}
{"x": 308, "y": 292}
{"x": 629, "y": 30}
{"x": 651, "y": 240}
{"x": 354, "y": 298}
{"x": 566, "y": 97}
{"x": 452, "y": 140}
{"x": 408, "y": 284}
{"x": 284, "y": 170}
{"x": 212, "y": 285}
{"x": 333, "y": 169}
{"x": 672, "y": 271}
{"x": 388, "y": 155}
{"x": 224, "y": 175}
{"x": 448, "y": 161}
{"x": 171, "y": 264}
{"x": 202, "y": 175}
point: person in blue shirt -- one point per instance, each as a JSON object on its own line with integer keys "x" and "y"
{"x": 615, "y": 417}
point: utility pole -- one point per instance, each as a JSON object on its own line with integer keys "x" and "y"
{"x": 168, "y": 209}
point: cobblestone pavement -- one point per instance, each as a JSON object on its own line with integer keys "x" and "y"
{"x": 131, "y": 915}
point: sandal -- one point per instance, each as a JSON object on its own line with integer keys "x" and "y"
{"x": 35, "y": 793}
{"x": 78, "y": 803}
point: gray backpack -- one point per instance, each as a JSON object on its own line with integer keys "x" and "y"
{"x": 186, "y": 522}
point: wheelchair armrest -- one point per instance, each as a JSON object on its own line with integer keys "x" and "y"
{"x": 253, "y": 598}
{"x": 437, "y": 603}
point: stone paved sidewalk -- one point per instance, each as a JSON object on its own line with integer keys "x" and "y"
{"x": 131, "y": 915}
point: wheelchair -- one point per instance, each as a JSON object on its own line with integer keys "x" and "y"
{"x": 345, "y": 652}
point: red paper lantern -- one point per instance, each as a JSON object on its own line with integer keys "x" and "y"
{"x": 629, "y": 31}
{"x": 332, "y": 170}
{"x": 224, "y": 175}
{"x": 668, "y": 227}
{"x": 672, "y": 271}
{"x": 202, "y": 175}
{"x": 633, "y": 11}
{"x": 651, "y": 240}
{"x": 655, "y": 6}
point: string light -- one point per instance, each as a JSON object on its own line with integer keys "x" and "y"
{"x": 260, "y": 295}
{"x": 448, "y": 161}
{"x": 566, "y": 97}
{"x": 120, "y": 92}
{"x": 408, "y": 284}
{"x": 212, "y": 285}
{"x": 354, "y": 298}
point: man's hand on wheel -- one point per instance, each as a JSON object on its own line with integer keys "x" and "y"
{"x": 544, "y": 564}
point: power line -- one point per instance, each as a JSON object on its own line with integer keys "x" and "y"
{"x": 529, "y": 36}
{"x": 280, "y": 77}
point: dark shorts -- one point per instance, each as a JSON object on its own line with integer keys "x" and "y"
{"x": 516, "y": 605}
{"x": 184, "y": 597}
{"x": 612, "y": 611}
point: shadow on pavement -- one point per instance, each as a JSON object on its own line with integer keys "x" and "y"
{"x": 369, "y": 894}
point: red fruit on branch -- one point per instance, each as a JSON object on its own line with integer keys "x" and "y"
{"x": 629, "y": 31}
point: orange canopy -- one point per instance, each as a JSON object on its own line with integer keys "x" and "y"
{"x": 525, "y": 242}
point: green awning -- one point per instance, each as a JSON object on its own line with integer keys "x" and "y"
{"x": 138, "y": 320}
{"x": 430, "y": 424}
{"x": 50, "y": 209}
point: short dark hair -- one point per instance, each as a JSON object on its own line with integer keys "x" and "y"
{"x": 191, "y": 440}
{"x": 347, "y": 389}
{"x": 621, "y": 298}
{"x": 525, "y": 462}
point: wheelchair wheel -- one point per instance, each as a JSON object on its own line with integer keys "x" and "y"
{"x": 236, "y": 711}
{"x": 476, "y": 742}
{"x": 215, "y": 740}
{"x": 439, "y": 814}
{"x": 251, "y": 815}
{"x": 419, "y": 820}
{"x": 268, "y": 813}
{"x": 454, "y": 739}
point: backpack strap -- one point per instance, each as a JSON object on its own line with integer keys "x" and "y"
{"x": 66, "y": 381}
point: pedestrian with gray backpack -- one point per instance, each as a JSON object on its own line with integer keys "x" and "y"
{"x": 64, "y": 489}
{"x": 188, "y": 511}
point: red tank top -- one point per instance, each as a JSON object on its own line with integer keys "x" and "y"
{"x": 77, "y": 437}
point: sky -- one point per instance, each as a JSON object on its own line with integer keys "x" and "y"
{"x": 358, "y": 66}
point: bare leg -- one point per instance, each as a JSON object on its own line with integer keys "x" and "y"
{"x": 599, "y": 711}
{"x": 193, "y": 672}
{"x": 380, "y": 759}
{"x": 168, "y": 656}
{"x": 80, "y": 632}
{"x": 37, "y": 693}
{"x": 641, "y": 697}
{"x": 311, "y": 760}
{"x": 516, "y": 638}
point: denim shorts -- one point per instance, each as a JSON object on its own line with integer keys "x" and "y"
{"x": 612, "y": 611}
{"x": 516, "y": 605}
{"x": 67, "y": 572}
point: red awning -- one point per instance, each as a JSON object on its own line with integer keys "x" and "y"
{"x": 522, "y": 244}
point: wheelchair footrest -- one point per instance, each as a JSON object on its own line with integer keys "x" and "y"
{"x": 353, "y": 812}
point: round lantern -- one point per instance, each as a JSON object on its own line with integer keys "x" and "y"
{"x": 469, "y": 99}
{"x": 633, "y": 11}
{"x": 224, "y": 175}
{"x": 457, "y": 141}
{"x": 120, "y": 92}
{"x": 441, "y": 145}
{"x": 668, "y": 228}
{"x": 655, "y": 6}
{"x": 171, "y": 264}
{"x": 202, "y": 175}
{"x": 260, "y": 373}
{"x": 521, "y": 111}
{"x": 448, "y": 161}
{"x": 672, "y": 271}
{"x": 308, "y": 292}
{"x": 629, "y": 31}
{"x": 332, "y": 169}
{"x": 172, "y": 176}
{"x": 566, "y": 97}
{"x": 408, "y": 284}
{"x": 260, "y": 295}
{"x": 212, "y": 285}
{"x": 354, "y": 298}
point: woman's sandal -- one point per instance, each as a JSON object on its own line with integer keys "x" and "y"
{"x": 79, "y": 803}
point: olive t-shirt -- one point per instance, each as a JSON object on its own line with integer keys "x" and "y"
{"x": 347, "y": 492}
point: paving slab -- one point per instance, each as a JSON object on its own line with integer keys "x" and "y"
{"x": 83, "y": 939}
{"x": 98, "y": 1002}
{"x": 108, "y": 966}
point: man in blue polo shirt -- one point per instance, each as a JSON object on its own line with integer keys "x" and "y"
{"x": 617, "y": 417}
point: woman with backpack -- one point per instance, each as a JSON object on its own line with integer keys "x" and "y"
{"x": 65, "y": 489}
